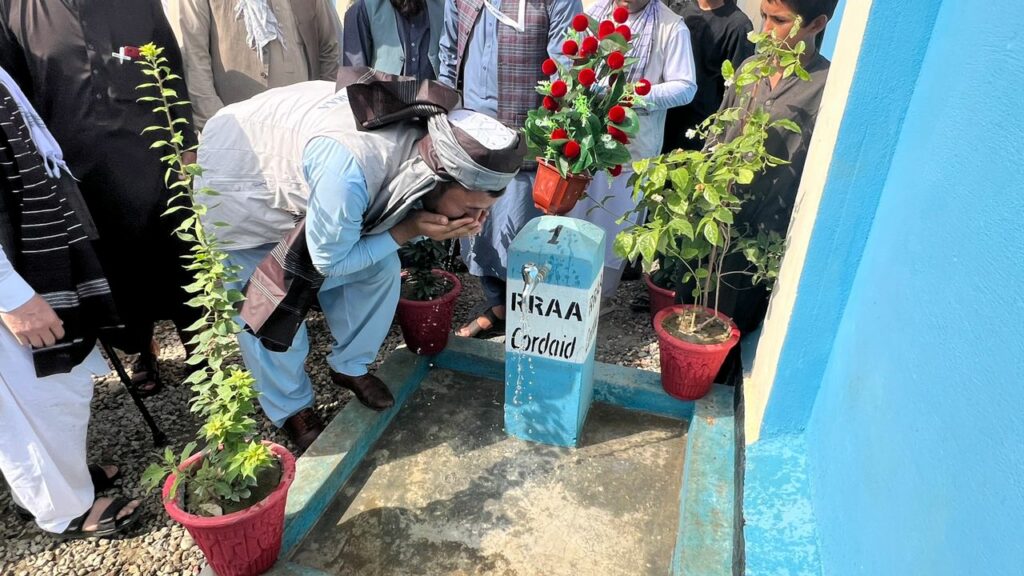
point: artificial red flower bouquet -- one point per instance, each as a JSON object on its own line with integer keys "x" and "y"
{"x": 586, "y": 117}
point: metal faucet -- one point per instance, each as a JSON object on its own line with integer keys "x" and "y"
{"x": 533, "y": 275}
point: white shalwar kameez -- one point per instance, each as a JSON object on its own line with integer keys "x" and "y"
{"x": 43, "y": 423}
{"x": 670, "y": 71}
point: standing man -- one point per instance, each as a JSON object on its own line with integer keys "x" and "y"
{"x": 54, "y": 301}
{"x": 493, "y": 52}
{"x": 395, "y": 36}
{"x": 718, "y": 29}
{"x": 772, "y": 194}
{"x": 76, "y": 62}
{"x": 235, "y": 49}
{"x": 360, "y": 173}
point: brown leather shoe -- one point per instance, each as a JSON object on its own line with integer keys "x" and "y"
{"x": 370, "y": 390}
{"x": 303, "y": 427}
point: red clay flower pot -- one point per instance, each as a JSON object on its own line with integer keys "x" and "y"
{"x": 688, "y": 369}
{"x": 556, "y": 195}
{"x": 426, "y": 323}
{"x": 243, "y": 543}
{"x": 659, "y": 297}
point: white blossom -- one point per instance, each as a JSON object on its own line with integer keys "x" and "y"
{"x": 691, "y": 134}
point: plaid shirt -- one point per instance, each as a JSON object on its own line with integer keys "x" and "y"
{"x": 520, "y": 55}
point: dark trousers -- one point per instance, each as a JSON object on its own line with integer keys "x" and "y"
{"x": 494, "y": 290}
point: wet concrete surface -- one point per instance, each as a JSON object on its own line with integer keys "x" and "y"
{"x": 445, "y": 491}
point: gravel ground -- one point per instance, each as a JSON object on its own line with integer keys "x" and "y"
{"x": 118, "y": 435}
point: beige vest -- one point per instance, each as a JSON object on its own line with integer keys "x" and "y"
{"x": 252, "y": 156}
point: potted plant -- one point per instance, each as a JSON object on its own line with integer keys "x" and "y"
{"x": 230, "y": 495}
{"x": 428, "y": 297}
{"x": 586, "y": 117}
{"x": 661, "y": 283}
{"x": 692, "y": 198}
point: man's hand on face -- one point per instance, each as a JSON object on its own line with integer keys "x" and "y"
{"x": 435, "y": 226}
{"x": 34, "y": 323}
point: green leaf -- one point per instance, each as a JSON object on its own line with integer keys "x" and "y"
{"x": 648, "y": 245}
{"x": 711, "y": 195}
{"x": 658, "y": 175}
{"x": 681, "y": 227}
{"x": 153, "y": 476}
{"x": 727, "y": 69}
{"x": 711, "y": 233}
{"x": 745, "y": 80}
{"x": 680, "y": 178}
{"x": 613, "y": 42}
{"x": 744, "y": 175}
{"x": 624, "y": 244}
{"x": 723, "y": 214}
{"x": 787, "y": 124}
{"x": 702, "y": 171}
{"x": 677, "y": 204}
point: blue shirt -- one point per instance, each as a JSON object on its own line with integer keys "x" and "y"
{"x": 480, "y": 71}
{"x": 334, "y": 219}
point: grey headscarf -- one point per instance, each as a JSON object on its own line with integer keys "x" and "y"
{"x": 467, "y": 147}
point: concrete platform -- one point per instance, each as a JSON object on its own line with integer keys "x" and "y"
{"x": 445, "y": 491}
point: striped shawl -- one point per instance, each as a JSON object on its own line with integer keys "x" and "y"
{"x": 49, "y": 245}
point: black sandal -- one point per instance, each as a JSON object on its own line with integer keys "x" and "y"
{"x": 109, "y": 523}
{"x": 146, "y": 369}
{"x": 497, "y": 327}
{"x": 100, "y": 483}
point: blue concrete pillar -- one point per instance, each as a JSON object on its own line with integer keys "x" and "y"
{"x": 551, "y": 328}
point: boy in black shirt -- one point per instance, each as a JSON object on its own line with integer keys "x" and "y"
{"x": 772, "y": 194}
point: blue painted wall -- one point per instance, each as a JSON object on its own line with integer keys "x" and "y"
{"x": 879, "y": 97}
{"x": 914, "y": 447}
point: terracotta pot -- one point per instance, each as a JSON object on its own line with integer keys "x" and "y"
{"x": 688, "y": 369}
{"x": 426, "y": 324}
{"x": 243, "y": 543}
{"x": 556, "y": 195}
{"x": 660, "y": 298}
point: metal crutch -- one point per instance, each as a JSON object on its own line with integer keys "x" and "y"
{"x": 159, "y": 438}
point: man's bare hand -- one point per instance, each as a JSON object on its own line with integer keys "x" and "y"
{"x": 34, "y": 323}
{"x": 187, "y": 157}
{"x": 434, "y": 226}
